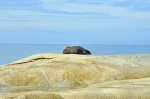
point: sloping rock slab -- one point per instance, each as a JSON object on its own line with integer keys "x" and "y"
{"x": 82, "y": 76}
{"x": 121, "y": 89}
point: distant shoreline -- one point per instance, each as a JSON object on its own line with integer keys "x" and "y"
{"x": 13, "y": 52}
{"x": 93, "y": 55}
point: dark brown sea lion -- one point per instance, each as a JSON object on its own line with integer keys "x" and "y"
{"x": 76, "y": 50}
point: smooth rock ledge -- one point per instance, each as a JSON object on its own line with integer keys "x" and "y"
{"x": 69, "y": 76}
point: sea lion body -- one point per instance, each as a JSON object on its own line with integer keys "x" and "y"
{"x": 76, "y": 50}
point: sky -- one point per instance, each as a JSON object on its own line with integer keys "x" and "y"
{"x": 75, "y": 22}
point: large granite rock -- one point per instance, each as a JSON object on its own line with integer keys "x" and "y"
{"x": 59, "y": 76}
{"x": 76, "y": 50}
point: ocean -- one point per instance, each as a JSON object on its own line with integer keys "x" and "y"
{"x": 13, "y": 52}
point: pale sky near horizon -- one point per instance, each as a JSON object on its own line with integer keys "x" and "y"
{"x": 75, "y": 22}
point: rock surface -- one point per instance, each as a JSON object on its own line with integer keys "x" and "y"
{"x": 59, "y": 76}
{"x": 76, "y": 50}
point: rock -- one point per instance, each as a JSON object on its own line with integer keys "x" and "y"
{"x": 59, "y": 76}
{"x": 76, "y": 50}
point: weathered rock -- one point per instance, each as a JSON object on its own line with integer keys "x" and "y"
{"x": 58, "y": 76}
{"x": 76, "y": 50}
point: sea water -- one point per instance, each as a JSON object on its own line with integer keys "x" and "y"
{"x": 13, "y": 52}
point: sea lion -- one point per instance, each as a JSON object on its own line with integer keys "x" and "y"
{"x": 76, "y": 50}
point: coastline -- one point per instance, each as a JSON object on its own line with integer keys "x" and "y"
{"x": 14, "y": 52}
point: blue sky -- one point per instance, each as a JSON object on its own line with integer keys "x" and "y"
{"x": 75, "y": 21}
